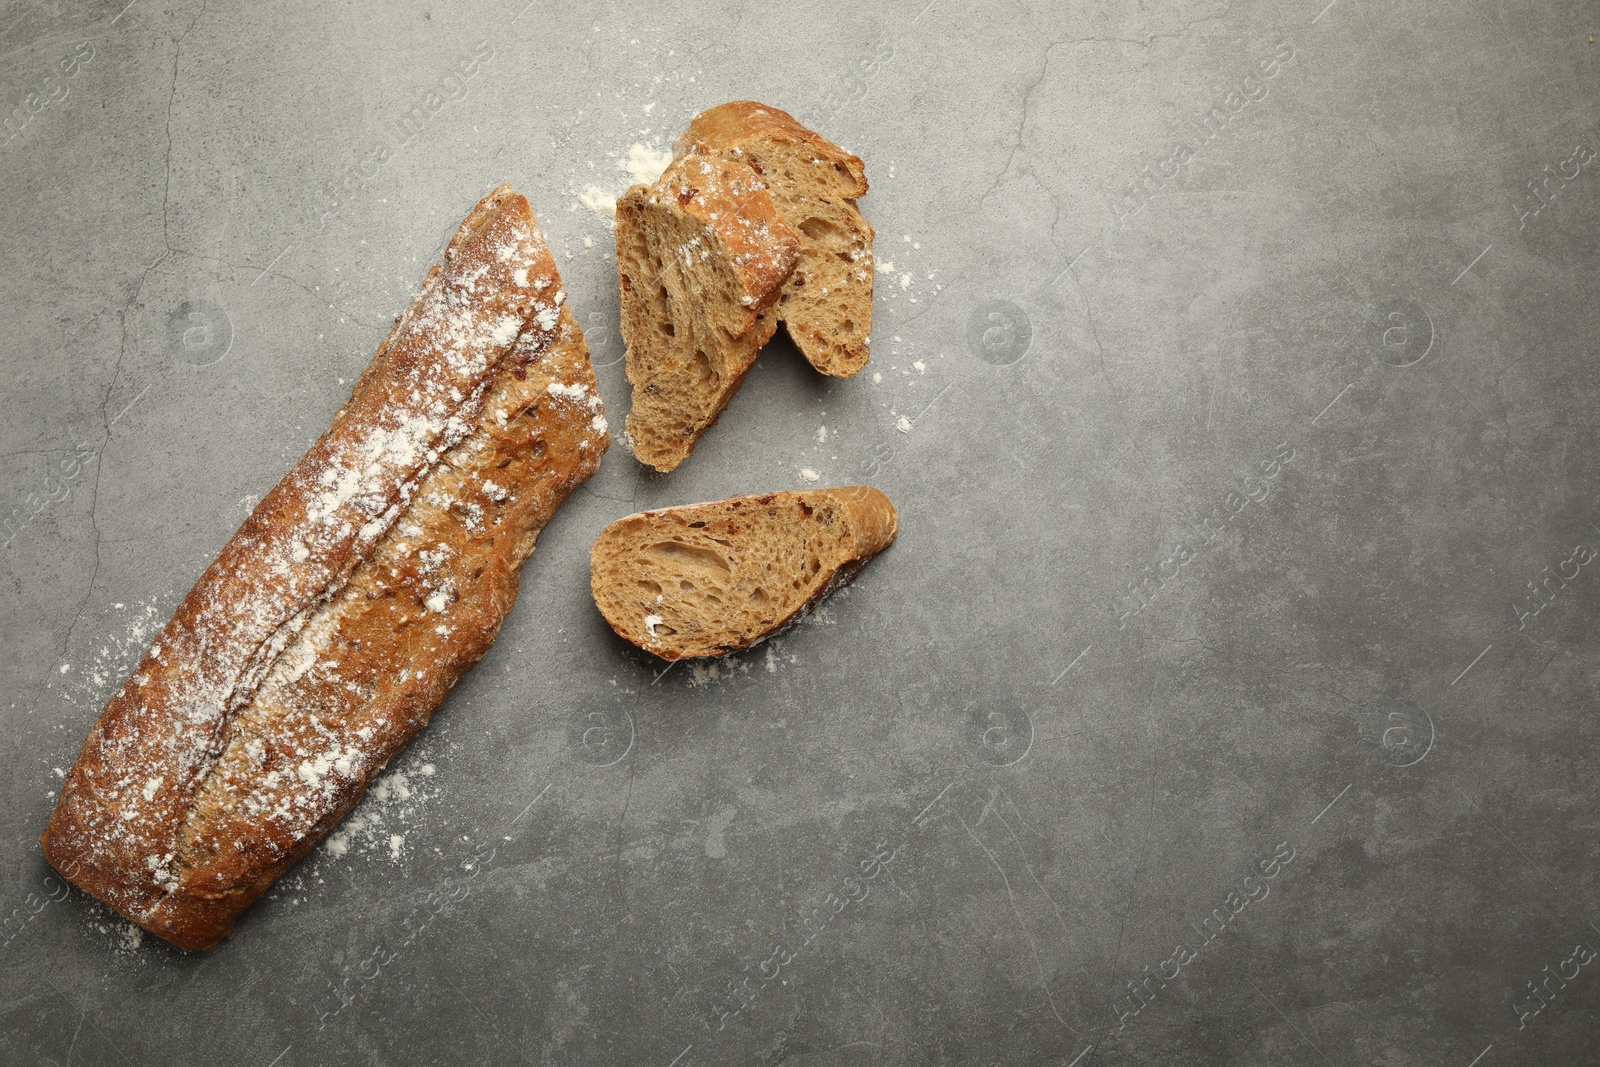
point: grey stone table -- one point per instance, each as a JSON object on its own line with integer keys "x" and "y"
{"x": 1227, "y": 699}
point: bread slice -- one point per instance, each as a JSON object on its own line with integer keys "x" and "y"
{"x": 701, "y": 257}
{"x": 707, "y": 579}
{"x": 826, "y": 304}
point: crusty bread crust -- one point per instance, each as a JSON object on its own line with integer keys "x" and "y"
{"x": 826, "y": 304}
{"x": 742, "y": 123}
{"x": 301, "y": 661}
{"x": 708, "y": 579}
{"x": 701, "y": 259}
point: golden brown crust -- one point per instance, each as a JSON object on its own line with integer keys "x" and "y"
{"x": 141, "y": 823}
{"x": 708, "y": 579}
{"x": 741, "y": 124}
{"x": 826, "y": 303}
{"x": 734, "y": 206}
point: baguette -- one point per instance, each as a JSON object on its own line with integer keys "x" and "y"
{"x": 708, "y": 579}
{"x": 339, "y": 616}
{"x": 826, "y": 303}
{"x": 701, "y": 259}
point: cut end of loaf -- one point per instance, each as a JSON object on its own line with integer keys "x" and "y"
{"x": 708, "y": 579}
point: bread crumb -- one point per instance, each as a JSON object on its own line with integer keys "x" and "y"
{"x": 809, "y": 475}
{"x": 904, "y": 425}
{"x": 822, "y": 435}
{"x": 920, "y": 366}
{"x": 588, "y": 242}
{"x": 877, "y": 378}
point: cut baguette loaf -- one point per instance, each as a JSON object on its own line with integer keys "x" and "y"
{"x": 701, "y": 257}
{"x": 707, "y": 579}
{"x": 826, "y": 304}
{"x": 339, "y": 616}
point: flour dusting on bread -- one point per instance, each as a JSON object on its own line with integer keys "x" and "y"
{"x": 188, "y": 799}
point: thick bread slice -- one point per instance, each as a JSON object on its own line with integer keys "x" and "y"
{"x": 827, "y": 302}
{"x": 706, "y": 579}
{"x": 701, "y": 257}
{"x": 338, "y": 617}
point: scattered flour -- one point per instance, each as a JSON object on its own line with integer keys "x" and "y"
{"x": 703, "y": 673}
{"x": 391, "y": 803}
{"x": 128, "y": 632}
{"x": 599, "y": 201}
{"x": 644, "y": 164}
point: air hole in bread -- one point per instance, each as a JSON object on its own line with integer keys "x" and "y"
{"x": 818, "y": 229}
{"x": 703, "y": 375}
{"x": 678, "y": 554}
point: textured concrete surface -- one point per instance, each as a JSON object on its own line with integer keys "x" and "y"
{"x": 1227, "y": 699}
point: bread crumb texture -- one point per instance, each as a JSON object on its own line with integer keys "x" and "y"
{"x": 826, "y": 302}
{"x": 708, "y": 579}
{"x": 701, "y": 257}
{"x": 752, "y": 224}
